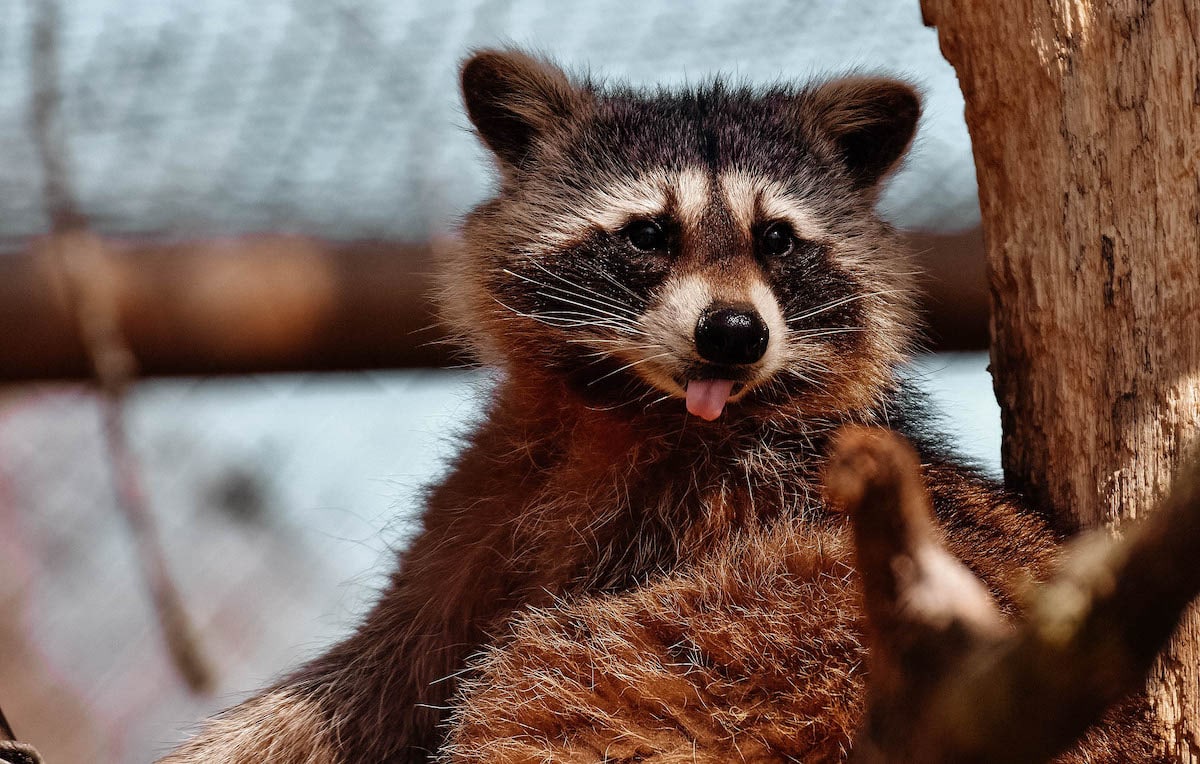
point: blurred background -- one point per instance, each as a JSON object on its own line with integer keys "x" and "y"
{"x": 217, "y": 224}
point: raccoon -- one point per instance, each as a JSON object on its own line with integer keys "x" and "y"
{"x": 686, "y": 293}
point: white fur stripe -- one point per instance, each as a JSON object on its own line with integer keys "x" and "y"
{"x": 614, "y": 205}
{"x": 753, "y": 200}
{"x": 693, "y": 195}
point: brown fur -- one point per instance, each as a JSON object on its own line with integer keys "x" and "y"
{"x": 691, "y": 564}
{"x": 757, "y": 654}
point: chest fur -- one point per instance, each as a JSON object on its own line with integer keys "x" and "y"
{"x": 608, "y": 525}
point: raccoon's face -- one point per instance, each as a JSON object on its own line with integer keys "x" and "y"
{"x": 717, "y": 246}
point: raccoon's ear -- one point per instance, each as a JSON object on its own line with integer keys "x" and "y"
{"x": 871, "y": 120}
{"x": 513, "y": 98}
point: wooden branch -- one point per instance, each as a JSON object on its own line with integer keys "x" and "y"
{"x": 1085, "y": 126}
{"x": 949, "y": 681}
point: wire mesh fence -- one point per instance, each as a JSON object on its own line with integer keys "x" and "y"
{"x": 340, "y": 119}
{"x": 278, "y": 500}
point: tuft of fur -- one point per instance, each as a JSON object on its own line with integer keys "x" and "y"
{"x": 280, "y": 727}
{"x": 691, "y": 590}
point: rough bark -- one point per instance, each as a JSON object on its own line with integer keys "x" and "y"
{"x": 950, "y": 679}
{"x": 1085, "y": 121}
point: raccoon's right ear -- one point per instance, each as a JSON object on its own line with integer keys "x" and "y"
{"x": 871, "y": 120}
{"x": 513, "y": 98}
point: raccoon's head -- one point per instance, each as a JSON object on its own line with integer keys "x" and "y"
{"x": 715, "y": 245}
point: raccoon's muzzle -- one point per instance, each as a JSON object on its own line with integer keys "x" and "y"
{"x": 730, "y": 336}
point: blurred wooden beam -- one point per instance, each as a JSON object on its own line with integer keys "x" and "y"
{"x": 954, "y": 282}
{"x": 267, "y": 303}
{"x": 232, "y": 305}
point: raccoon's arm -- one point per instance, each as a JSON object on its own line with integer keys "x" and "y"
{"x": 756, "y": 654}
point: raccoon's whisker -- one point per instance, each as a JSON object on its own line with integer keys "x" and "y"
{"x": 562, "y": 321}
{"x": 800, "y": 375}
{"x": 598, "y": 301}
{"x": 511, "y": 309}
{"x": 814, "y": 333}
{"x": 827, "y": 307}
{"x": 574, "y": 285}
{"x": 603, "y": 354}
{"x": 815, "y": 367}
{"x": 629, "y": 366}
{"x": 592, "y": 319}
{"x": 659, "y": 400}
{"x": 608, "y": 341}
{"x": 838, "y": 303}
{"x": 588, "y": 293}
{"x": 805, "y": 359}
{"x": 597, "y": 324}
{"x": 612, "y": 280}
{"x": 584, "y": 306}
{"x": 611, "y": 341}
{"x": 613, "y": 407}
{"x": 567, "y": 322}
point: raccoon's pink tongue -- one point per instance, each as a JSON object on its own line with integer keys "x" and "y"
{"x": 706, "y": 397}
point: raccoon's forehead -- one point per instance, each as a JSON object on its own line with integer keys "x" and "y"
{"x": 567, "y": 206}
{"x": 714, "y": 128}
{"x": 687, "y": 156}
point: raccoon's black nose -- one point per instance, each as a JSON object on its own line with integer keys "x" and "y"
{"x": 731, "y": 335}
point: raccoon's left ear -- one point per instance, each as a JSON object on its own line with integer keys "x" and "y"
{"x": 513, "y": 99}
{"x": 871, "y": 120}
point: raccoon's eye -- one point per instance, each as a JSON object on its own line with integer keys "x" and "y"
{"x": 777, "y": 240}
{"x": 645, "y": 235}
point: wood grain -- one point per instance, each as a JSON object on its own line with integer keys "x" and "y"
{"x": 1085, "y": 121}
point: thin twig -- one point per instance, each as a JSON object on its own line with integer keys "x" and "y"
{"x": 6, "y": 730}
{"x": 78, "y": 258}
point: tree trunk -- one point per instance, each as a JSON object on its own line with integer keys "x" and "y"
{"x": 1085, "y": 122}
